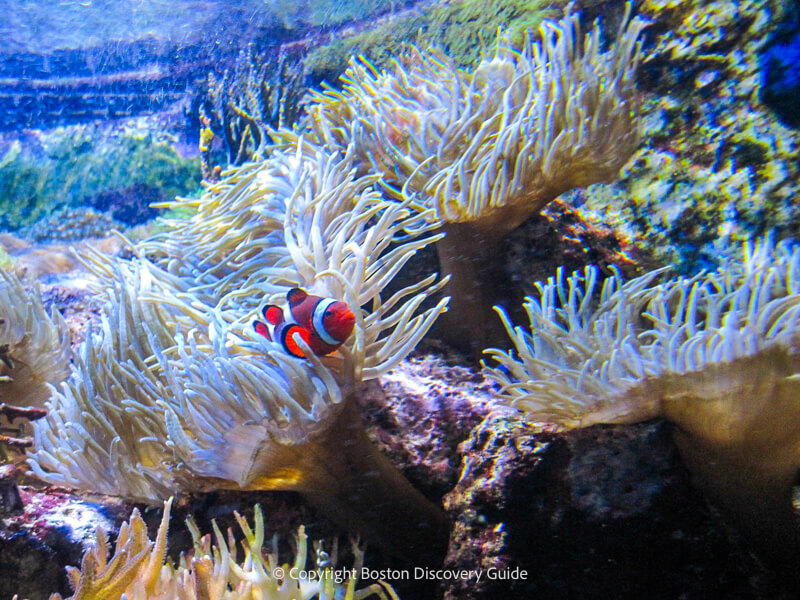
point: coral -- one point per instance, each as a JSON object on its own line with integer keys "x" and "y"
{"x": 380, "y": 45}
{"x": 716, "y": 166}
{"x": 72, "y": 224}
{"x": 130, "y": 205}
{"x": 593, "y": 513}
{"x": 455, "y": 26}
{"x": 327, "y": 13}
{"x": 487, "y": 149}
{"x": 452, "y": 26}
{"x": 420, "y": 411}
{"x": 257, "y": 95}
{"x": 173, "y": 397}
{"x": 714, "y": 353}
{"x": 137, "y": 570}
{"x": 73, "y": 165}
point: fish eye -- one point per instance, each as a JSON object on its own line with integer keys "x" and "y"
{"x": 328, "y": 313}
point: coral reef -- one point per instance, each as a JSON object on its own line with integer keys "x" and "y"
{"x": 328, "y": 13}
{"x": 714, "y": 353}
{"x": 595, "y": 513}
{"x": 70, "y": 223}
{"x": 130, "y": 205}
{"x": 420, "y": 411}
{"x": 136, "y": 569}
{"x": 486, "y": 150}
{"x": 47, "y": 530}
{"x": 452, "y": 26}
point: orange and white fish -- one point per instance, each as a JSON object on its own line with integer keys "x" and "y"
{"x": 323, "y": 323}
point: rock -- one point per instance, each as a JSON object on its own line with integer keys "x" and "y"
{"x": 602, "y": 512}
{"x": 52, "y": 530}
{"x": 780, "y": 87}
{"x": 419, "y": 412}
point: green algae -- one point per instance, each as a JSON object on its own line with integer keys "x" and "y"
{"x": 461, "y": 29}
{"x": 70, "y": 166}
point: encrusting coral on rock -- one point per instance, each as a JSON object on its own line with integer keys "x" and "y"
{"x": 716, "y": 354}
{"x": 486, "y": 150}
{"x": 137, "y": 569}
{"x": 171, "y": 396}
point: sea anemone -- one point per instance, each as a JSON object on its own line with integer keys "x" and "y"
{"x": 34, "y": 345}
{"x": 486, "y": 150}
{"x": 716, "y": 354}
{"x": 173, "y": 394}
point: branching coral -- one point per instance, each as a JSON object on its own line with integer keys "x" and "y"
{"x": 173, "y": 397}
{"x": 716, "y": 354}
{"x": 256, "y": 95}
{"x": 487, "y": 149}
{"x": 137, "y": 570}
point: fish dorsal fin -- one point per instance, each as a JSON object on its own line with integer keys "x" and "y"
{"x": 273, "y": 314}
{"x": 296, "y": 296}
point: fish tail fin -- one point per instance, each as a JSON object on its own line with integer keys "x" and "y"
{"x": 262, "y": 329}
{"x": 287, "y": 339}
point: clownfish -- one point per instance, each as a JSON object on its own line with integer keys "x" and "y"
{"x": 322, "y": 323}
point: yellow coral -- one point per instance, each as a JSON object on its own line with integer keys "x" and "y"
{"x": 137, "y": 571}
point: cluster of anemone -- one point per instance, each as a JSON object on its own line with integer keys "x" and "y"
{"x": 715, "y": 354}
{"x": 173, "y": 394}
{"x": 212, "y": 571}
